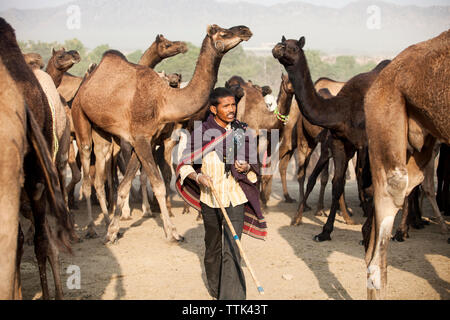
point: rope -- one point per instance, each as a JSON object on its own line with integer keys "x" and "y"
{"x": 281, "y": 117}
{"x": 55, "y": 137}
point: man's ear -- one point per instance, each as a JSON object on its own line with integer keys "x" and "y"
{"x": 213, "y": 109}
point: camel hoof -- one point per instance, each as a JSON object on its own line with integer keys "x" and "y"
{"x": 322, "y": 237}
{"x": 399, "y": 236}
{"x": 288, "y": 199}
{"x": 148, "y": 215}
{"x": 320, "y": 213}
{"x": 296, "y": 222}
{"x": 176, "y": 239}
{"x": 350, "y": 222}
{"x": 91, "y": 234}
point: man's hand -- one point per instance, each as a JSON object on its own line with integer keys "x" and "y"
{"x": 242, "y": 166}
{"x": 204, "y": 180}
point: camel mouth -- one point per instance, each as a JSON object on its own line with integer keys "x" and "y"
{"x": 242, "y": 32}
{"x": 183, "y": 48}
{"x": 278, "y": 51}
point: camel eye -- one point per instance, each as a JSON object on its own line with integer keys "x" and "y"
{"x": 168, "y": 45}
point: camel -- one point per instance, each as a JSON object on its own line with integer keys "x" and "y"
{"x": 406, "y": 110}
{"x": 160, "y": 49}
{"x": 41, "y": 184}
{"x": 133, "y": 105}
{"x": 61, "y": 61}
{"x": 34, "y": 60}
{"x": 427, "y": 188}
{"x": 343, "y": 115}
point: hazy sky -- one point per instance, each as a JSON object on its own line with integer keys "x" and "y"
{"x": 33, "y": 4}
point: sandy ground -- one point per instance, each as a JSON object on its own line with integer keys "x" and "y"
{"x": 289, "y": 264}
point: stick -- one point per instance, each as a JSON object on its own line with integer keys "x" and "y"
{"x": 236, "y": 238}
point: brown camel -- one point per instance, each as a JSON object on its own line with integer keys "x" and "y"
{"x": 160, "y": 49}
{"x": 41, "y": 185}
{"x": 34, "y": 60}
{"x": 343, "y": 115}
{"x": 135, "y": 103}
{"x": 108, "y": 152}
{"x": 326, "y": 83}
{"x": 443, "y": 179}
{"x": 406, "y": 110}
{"x": 61, "y": 61}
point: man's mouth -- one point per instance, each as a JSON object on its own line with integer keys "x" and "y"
{"x": 230, "y": 115}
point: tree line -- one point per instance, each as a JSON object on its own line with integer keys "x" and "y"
{"x": 262, "y": 70}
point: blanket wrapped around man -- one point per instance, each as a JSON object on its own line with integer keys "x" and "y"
{"x": 229, "y": 145}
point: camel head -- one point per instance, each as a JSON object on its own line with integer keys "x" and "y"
{"x": 286, "y": 84}
{"x": 265, "y": 90}
{"x": 234, "y": 80}
{"x": 34, "y": 60}
{"x": 223, "y": 40}
{"x": 167, "y": 48}
{"x": 64, "y": 60}
{"x": 174, "y": 80}
{"x": 238, "y": 92}
{"x": 289, "y": 52}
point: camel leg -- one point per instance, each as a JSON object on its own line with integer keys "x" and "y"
{"x": 324, "y": 177}
{"x": 282, "y": 167}
{"x": 76, "y": 176}
{"x": 83, "y": 133}
{"x": 402, "y": 230}
{"x": 144, "y": 151}
{"x": 304, "y": 153}
{"x": 428, "y": 188}
{"x": 145, "y": 203}
{"x": 53, "y": 258}
{"x": 340, "y": 168}
{"x": 103, "y": 151}
{"x": 122, "y": 197}
{"x": 17, "y": 282}
{"x": 323, "y": 160}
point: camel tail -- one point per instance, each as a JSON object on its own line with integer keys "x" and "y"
{"x": 58, "y": 207}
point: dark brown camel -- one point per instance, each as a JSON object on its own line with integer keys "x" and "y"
{"x": 443, "y": 180}
{"x": 343, "y": 115}
{"x": 304, "y": 138}
{"x": 406, "y": 110}
{"x": 41, "y": 185}
{"x": 133, "y": 106}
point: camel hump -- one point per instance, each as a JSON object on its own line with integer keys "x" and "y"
{"x": 324, "y": 78}
{"x": 114, "y": 53}
{"x": 380, "y": 66}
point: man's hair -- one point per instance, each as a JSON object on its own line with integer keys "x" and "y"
{"x": 218, "y": 93}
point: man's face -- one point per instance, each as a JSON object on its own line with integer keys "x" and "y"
{"x": 225, "y": 111}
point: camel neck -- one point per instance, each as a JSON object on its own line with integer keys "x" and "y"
{"x": 150, "y": 58}
{"x": 54, "y": 73}
{"x": 317, "y": 110}
{"x": 284, "y": 101}
{"x": 190, "y": 99}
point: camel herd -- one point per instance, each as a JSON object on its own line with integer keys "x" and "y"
{"x": 122, "y": 118}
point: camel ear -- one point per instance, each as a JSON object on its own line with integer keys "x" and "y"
{"x": 158, "y": 38}
{"x": 53, "y": 51}
{"x": 301, "y": 42}
{"x": 283, "y": 39}
{"x": 212, "y": 29}
{"x": 63, "y": 49}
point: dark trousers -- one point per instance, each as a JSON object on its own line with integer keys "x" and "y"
{"x": 222, "y": 258}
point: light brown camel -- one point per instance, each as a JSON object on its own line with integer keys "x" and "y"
{"x": 34, "y": 60}
{"x": 407, "y": 109}
{"x": 326, "y": 83}
{"x": 133, "y": 105}
{"x": 41, "y": 184}
{"x": 108, "y": 152}
{"x": 14, "y": 144}
{"x": 160, "y": 49}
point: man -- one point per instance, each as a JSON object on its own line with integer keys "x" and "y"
{"x": 221, "y": 160}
